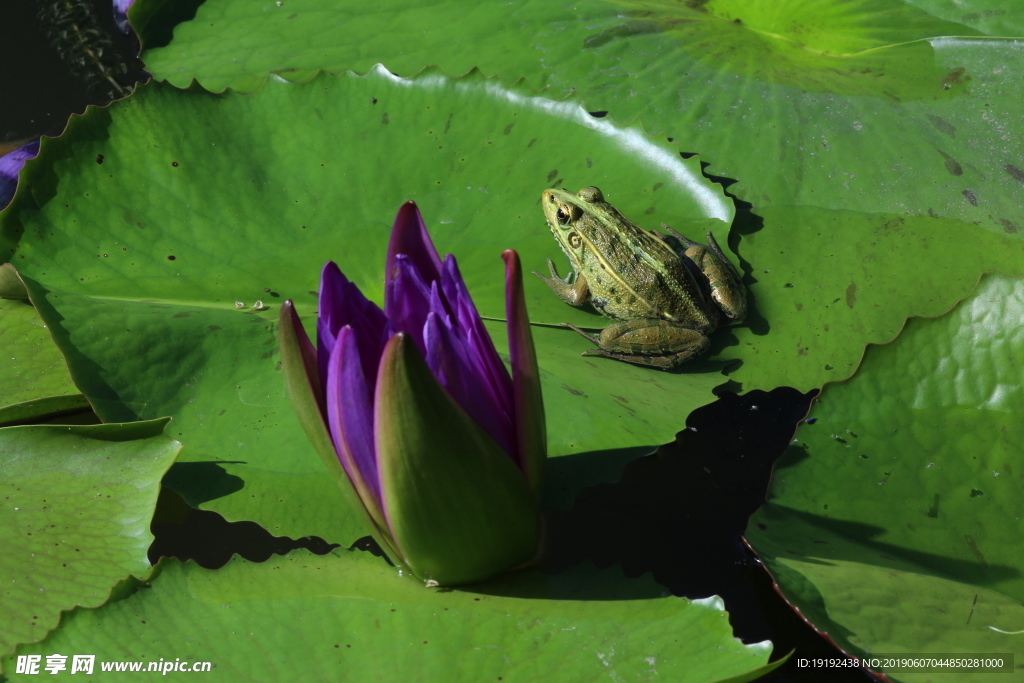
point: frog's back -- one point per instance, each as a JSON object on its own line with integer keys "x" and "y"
{"x": 642, "y": 277}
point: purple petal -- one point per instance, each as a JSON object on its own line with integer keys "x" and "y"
{"x": 341, "y": 304}
{"x": 10, "y": 166}
{"x": 488, "y": 363}
{"x": 438, "y": 302}
{"x": 12, "y": 162}
{"x": 350, "y": 415}
{"x": 325, "y": 342}
{"x": 332, "y": 284}
{"x": 407, "y": 299}
{"x": 121, "y": 14}
{"x": 446, "y": 358}
{"x": 454, "y": 367}
{"x": 409, "y": 236}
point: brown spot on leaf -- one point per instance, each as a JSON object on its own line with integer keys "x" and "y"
{"x": 552, "y": 175}
{"x": 384, "y": 119}
{"x": 955, "y": 77}
{"x": 574, "y": 392}
{"x": 942, "y": 125}
{"x": 970, "y": 197}
{"x": 1014, "y": 172}
{"x": 508, "y": 128}
{"x": 952, "y": 165}
{"x": 851, "y": 294}
{"x": 1008, "y": 226}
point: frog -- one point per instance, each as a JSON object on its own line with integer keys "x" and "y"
{"x": 666, "y": 298}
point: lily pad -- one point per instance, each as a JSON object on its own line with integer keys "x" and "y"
{"x": 907, "y": 490}
{"x": 883, "y": 108}
{"x": 32, "y": 367}
{"x": 834, "y": 279}
{"x": 140, "y": 225}
{"x": 75, "y": 517}
{"x": 358, "y": 617}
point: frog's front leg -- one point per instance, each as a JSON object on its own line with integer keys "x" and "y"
{"x": 647, "y": 341}
{"x": 726, "y": 286}
{"x": 575, "y": 294}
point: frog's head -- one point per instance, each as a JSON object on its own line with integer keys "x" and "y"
{"x": 568, "y": 213}
{"x": 563, "y": 208}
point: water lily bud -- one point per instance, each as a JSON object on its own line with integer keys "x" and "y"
{"x": 436, "y": 446}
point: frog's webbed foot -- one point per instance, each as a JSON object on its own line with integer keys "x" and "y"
{"x": 656, "y": 343}
{"x": 575, "y": 294}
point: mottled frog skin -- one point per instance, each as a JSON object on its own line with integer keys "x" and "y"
{"x": 667, "y": 300}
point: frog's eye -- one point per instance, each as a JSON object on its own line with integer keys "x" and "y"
{"x": 591, "y": 195}
{"x": 566, "y": 213}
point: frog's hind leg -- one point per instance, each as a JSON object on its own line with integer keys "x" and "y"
{"x": 653, "y": 342}
{"x": 726, "y": 284}
{"x": 687, "y": 242}
{"x": 720, "y": 254}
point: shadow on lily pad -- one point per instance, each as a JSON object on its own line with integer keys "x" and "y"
{"x": 199, "y": 482}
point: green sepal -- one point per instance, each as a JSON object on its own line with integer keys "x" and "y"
{"x": 457, "y": 506}
{"x": 528, "y": 403}
{"x": 302, "y": 379}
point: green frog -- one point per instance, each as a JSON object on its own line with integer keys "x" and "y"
{"x": 667, "y": 298}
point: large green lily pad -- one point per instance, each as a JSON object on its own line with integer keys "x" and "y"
{"x": 834, "y": 279}
{"x": 348, "y": 614}
{"x": 74, "y": 517}
{"x": 906, "y": 490}
{"x": 884, "y": 108}
{"x": 140, "y": 226}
